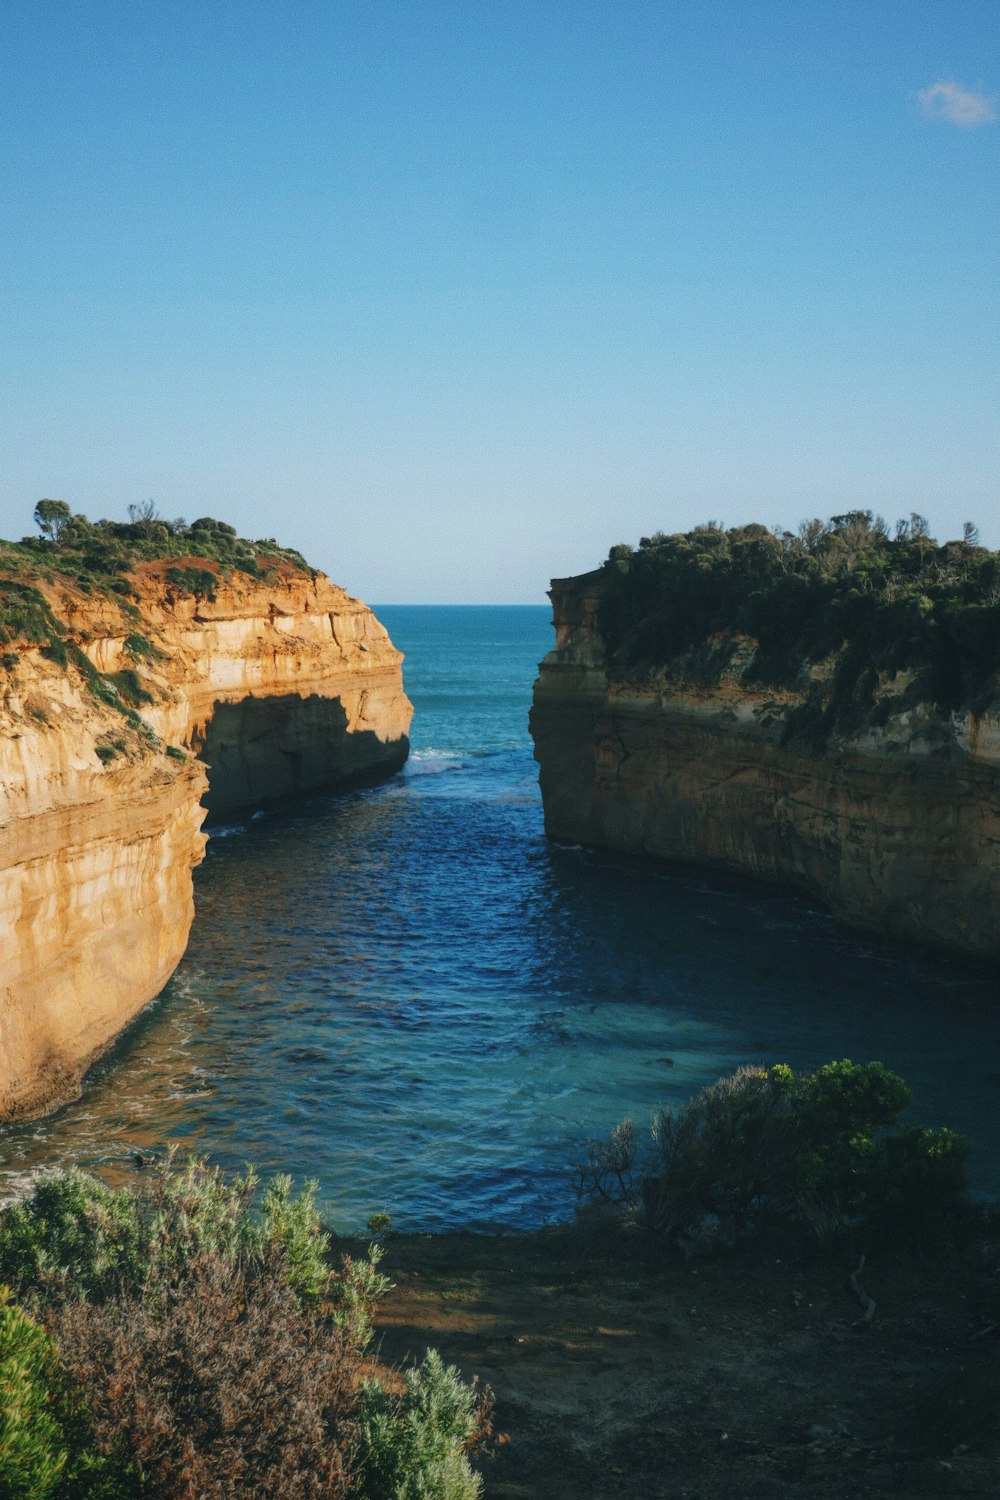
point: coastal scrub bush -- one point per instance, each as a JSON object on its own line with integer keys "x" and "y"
{"x": 33, "y": 1447}
{"x": 198, "y": 581}
{"x": 415, "y": 1446}
{"x": 128, "y": 686}
{"x": 226, "y": 1385}
{"x": 138, "y": 645}
{"x": 48, "y": 1449}
{"x": 813, "y": 1153}
{"x": 76, "y": 1237}
{"x": 25, "y": 615}
{"x": 191, "y": 1341}
{"x": 98, "y": 556}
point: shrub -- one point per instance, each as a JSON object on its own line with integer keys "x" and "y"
{"x": 176, "y": 753}
{"x": 203, "y": 1349}
{"x": 355, "y": 1290}
{"x": 129, "y": 687}
{"x": 33, "y": 1447}
{"x": 76, "y": 1237}
{"x": 47, "y": 1445}
{"x": 226, "y": 1386}
{"x": 197, "y": 581}
{"x": 917, "y": 1178}
{"x": 813, "y": 1153}
{"x": 415, "y": 1446}
{"x": 25, "y": 615}
{"x": 138, "y": 645}
{"x": 380, "y": 1226}
{"x": 56, "y": 651}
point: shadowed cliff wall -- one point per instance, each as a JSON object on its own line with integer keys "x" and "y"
{"x": 896, "y": 828}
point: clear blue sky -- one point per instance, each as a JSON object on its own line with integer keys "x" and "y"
{"x": 455, "y": 296}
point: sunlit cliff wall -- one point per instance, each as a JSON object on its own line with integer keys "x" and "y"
{"x": 260, "y": 693}
{"x": 896, "y": 828}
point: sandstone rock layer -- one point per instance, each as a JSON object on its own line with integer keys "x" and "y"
{"x": 896, "y": 830}
{"x": 259, "y": 693}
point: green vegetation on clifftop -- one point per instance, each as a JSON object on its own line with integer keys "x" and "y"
{"x": 98, "y": 556}
{"x": 872, "y": 605}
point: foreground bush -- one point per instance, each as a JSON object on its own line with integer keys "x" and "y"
{"x": 229, "y": 1387}
{"x": 47, "y": 1449}
{"x": 414, "y": 1446}
{"x": 33, "y": 1444}
{"x": 813, "y": 1153}
{"x": 77, "y": 1237}
{"x": 191, "y": 1342}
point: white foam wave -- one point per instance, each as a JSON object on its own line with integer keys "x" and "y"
{"x": 432, "y": 762}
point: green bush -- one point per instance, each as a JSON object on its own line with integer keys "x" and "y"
{"x": 138, "y": 645}
{"x": 76, "y": 1237}
{"x": 815, "y": 1154}
{"x": 128, "y": 686}
{"x": 25, "y": 615}
{"x": 197, "y": 1344}
{"x": 198, "y": 581}
{"x": 33, "y": 1447}
{"x": 416, "y": 1446}
{"x": 48, "y": 1449}
{"x": 98, "y": 556}
{"x": 56, "y": 651}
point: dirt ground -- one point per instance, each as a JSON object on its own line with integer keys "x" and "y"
{"x": 618, "y": 1373}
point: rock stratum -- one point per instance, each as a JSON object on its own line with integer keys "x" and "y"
{"x": 137, "y": 719}
{"x": 892, "y": 823}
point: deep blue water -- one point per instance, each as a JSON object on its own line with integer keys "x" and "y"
{"x": 405, "y": 992}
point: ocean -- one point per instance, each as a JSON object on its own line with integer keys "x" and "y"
{"x": 408, "y": 994}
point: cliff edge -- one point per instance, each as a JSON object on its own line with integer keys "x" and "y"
{"x": 819, "y": 709}
{"x": 135, "y": 698}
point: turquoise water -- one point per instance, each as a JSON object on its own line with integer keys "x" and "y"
{"x": 407, "y": 993}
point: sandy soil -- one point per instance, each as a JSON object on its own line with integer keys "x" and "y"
{"x": 620, "y": 1374}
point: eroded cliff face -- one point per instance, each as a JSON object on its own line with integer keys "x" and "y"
{"x": 896, "y": 829}
{"x": 109, "y": 761}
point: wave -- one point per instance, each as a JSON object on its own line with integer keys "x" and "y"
{"x": 432, "y": 762}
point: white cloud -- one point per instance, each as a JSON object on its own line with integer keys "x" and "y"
{"x": 947, "y": 100}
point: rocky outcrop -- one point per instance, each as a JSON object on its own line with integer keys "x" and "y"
{"x": 896, "y": 829}
{"x": 165, "y": 707}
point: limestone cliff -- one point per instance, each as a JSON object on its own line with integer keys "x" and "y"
{"x": 895, "y": 826}
{"x": 115, "y": 739}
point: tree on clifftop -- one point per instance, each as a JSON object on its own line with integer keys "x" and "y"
{"x": 51, "y": 516}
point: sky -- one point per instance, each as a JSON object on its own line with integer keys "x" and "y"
{"x": 455, "y": 296}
